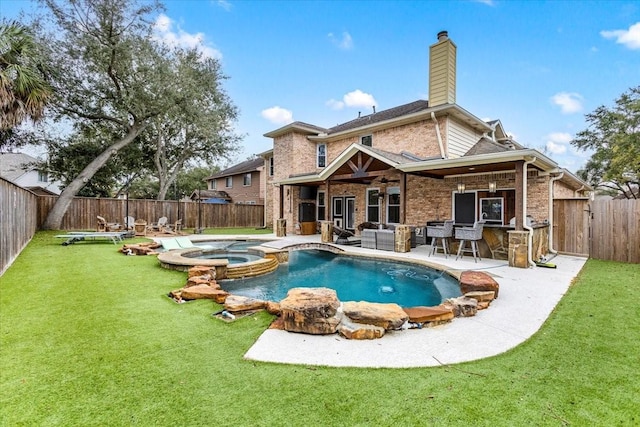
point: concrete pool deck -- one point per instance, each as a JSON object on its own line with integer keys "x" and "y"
{"x": 527, "y": 297}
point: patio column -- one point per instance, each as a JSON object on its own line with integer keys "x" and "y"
{"x": 403, "y": 198}
{"x": 519, "y": 195}
{"x": 328, "y": 215}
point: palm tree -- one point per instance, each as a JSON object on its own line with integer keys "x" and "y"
{"x": 24, "y": 91}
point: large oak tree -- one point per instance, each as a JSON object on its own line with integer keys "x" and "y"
{"x": 614, "y": 136}
{"x": 109, "y": 72}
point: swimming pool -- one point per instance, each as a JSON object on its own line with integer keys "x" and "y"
{"x": 353, "y": 278}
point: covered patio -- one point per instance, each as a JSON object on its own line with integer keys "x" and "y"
{"x": 512, "y": 191}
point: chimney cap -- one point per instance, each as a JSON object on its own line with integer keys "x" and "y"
{"x": 443, "y": 35}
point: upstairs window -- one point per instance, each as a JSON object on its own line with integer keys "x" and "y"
{"x": 246, "y": 179}
{"x": 322, "y": 155}
{"x": 43, "y": 176}
{"x": 229, "y": 182}
{"x": 213, "y": 184}
{"x": 271, "y": 166}
{"x": 367, "y": 140}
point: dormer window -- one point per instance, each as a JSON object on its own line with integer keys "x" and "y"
{"x": 367, "y": 140}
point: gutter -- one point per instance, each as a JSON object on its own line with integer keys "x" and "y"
{"x": 433, "y": 117}
{"x": 551, "y": 181}
{"x": 524, "y": 213}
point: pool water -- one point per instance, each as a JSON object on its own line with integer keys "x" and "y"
{"x": 232, "y": 256}
{"x": 353, "y": 278}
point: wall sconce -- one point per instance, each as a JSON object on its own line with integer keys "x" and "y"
{"x": 461, "y": 187}
{"x": 492, "y": 186}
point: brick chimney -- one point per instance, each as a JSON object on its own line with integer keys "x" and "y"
{"x": 442, "y": 71}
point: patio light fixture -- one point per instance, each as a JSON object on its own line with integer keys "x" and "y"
{"x": 461, "y": 187}
{"x": 492, "y": 186}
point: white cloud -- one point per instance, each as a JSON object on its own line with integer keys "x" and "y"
{"x": 335, "y": 105}
{"x": 278, "y": 115}
{"x": 569, "y": 102}
{"x": 487, "y": 2}
{"x": 224, "y": 4}
{"x": 344, "y": 43}
{"x": 557, "y": 142}
{"x": 165, "y": 34}
{"x": 629, "y": 38}
{"x": 356, "y": 98}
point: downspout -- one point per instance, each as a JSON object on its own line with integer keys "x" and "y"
{"x": 524, "y": 213}
{"x": 433, "y": 117}
{"x": 551, "y": 181}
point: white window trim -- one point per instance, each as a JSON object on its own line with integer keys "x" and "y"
{"x": 324, "y": 205}
{"x": 369, "y": 190}
{"x": 318, "y": 155}
{"x": 365, "y": 136}
{"x": 388, "y": 193}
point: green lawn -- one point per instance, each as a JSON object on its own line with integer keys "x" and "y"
{"x": 88, "y": 337}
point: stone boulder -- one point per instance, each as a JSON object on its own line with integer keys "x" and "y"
{"x": 359, "y": 331}
{"x": 387, "y": 316}
{"x": 462, "y": 306}
{"x": 311, "y": 310}
{"x": 204, "y": 291}
{"x": 202, "y": 270}
{"x": 201, "y": 280}
{"x": 471, "y": 281}
{"x": 438, "y": 314}
{"x": 237, "y": 303}
{"x": 481, "y": 296}
{"x": 273, "y": 308}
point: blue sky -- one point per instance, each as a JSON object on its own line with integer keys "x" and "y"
{"x": 539, "y": 67}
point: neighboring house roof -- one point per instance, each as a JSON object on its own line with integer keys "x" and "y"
{"x": 12, "y": 165}
{"x": 41, "y": 191}
{"x": 244, "y": 167}
{"x": 210, "y": 194}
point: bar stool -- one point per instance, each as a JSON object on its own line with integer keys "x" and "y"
{"x": 472, "y": 235}
{"x": 442, "y": 232}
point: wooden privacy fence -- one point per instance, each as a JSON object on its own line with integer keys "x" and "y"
{"x": 615, "y": 230}
{"x": 83, "y": 211}
{"x": 17, "y": 226}
{"x": 601, "y": 229}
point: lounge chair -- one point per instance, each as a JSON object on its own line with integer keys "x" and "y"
{"x": 343, "y": 235}
{"x": 170, "y": 244}
{"x": 185, "y": 243}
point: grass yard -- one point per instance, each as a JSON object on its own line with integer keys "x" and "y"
{"x": 88, "y": 337}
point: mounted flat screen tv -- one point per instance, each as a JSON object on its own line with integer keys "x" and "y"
{"x": 307, "y": 192}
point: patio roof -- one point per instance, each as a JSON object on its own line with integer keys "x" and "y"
{"x": 359, "y": 163}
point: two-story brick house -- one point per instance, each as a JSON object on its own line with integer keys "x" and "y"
{"x": 418, "y": 162}
{"x": 244, "y": 182}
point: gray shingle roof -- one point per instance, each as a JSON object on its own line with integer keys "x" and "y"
{"x": 391, "y": 113}
{"x": 244, "y": 167}
{"x": 486, "y": 146}
{"x": 12, "y": 165}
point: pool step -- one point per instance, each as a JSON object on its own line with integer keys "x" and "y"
{"x": 254, "y": 268}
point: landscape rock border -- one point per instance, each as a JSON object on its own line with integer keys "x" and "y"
{"x": 318, "y": 311}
